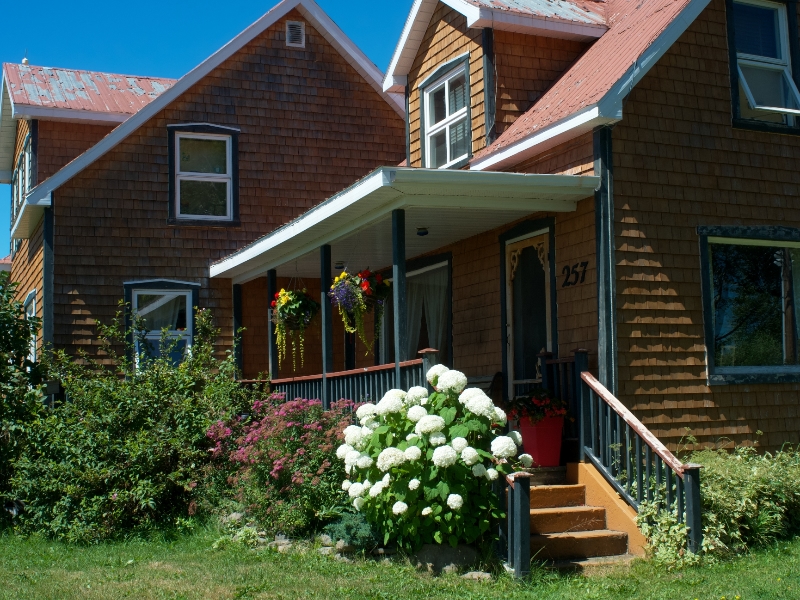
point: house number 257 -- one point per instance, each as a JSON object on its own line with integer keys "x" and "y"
{"x": 575, "y": 274}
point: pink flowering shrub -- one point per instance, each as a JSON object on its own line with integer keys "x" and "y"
{"x": 282, "y": 459}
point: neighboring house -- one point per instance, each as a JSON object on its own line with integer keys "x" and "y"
{"x": 278, "y": 119}
{"x": 5, "y": 263}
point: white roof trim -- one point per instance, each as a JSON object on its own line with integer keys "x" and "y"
{"x": 477, "y": 17}
{"x": 387, "y": 188}
{"x": 30, "y": 214}
{"x": 8, "y": 133}
{"x": 607, "y": 110}
{"x": 141, "y": 281}
{"x": 46, "y": 113}
{"x": 357, "y": 59}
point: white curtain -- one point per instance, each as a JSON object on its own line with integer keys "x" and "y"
{"x": 436, "y": 306}
{"x": 415, "y": 295}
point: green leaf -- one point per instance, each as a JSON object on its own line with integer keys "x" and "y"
{"x": 437, "y": 535}
{"x": 449, "y": 414}
{"x": 382, "y": 429}
{"x": 459, "y": 431}
{"x": 453, "y": 541}
{"x": 444, "y": 490}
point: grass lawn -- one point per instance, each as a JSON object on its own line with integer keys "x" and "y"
{"x": 189, "y": 568}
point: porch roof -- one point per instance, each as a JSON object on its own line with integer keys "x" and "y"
{"x": 356, "y": 223}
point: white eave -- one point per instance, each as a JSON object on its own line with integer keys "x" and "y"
{"x": 30, "y": 214}
{"x": 451, "y": 205}
{"x": 8, "y": 134}
{"x": 477, "y": 17}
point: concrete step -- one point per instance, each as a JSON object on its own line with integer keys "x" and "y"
{"x": 557, "y": 496}
{"x": 598, "y": 565}
{"x": 578, "y": 544}
{"x": 567, "y": 518}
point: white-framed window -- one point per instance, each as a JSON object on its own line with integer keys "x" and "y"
{"x": 767, "y": 91}
{"x": 21, "y": 179}
{"x": 163, "y": 311}
{"x": 203, "y": 176}
{"x": 30, "y": 313}
{"x": 447, "y": 128}
{"x": 295, "y": 34}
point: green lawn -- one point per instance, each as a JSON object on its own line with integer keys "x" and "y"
{"x": 189, "y": 568}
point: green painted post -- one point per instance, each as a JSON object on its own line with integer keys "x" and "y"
{"x": 694, "y": 511}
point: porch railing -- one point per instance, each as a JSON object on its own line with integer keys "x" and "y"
{"x": 562, "y": 377}
{"x": 633, "y": 460}
{"x": 369, "y": 383}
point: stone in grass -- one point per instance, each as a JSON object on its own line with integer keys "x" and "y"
{"x": 343, "y": 547}
{"x": 384, "y": 551}
{"x": 325, "y": 540}
{"x": 327, "y": 550}
{"x": 477, "y": 576}
{"x": 343, "y": 558}
{"x": 436, "y": 558}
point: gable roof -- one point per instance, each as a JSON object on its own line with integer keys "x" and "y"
{"x": 40, "y": 195}
{"x": 53, "y": 94}
{"x": 592, "y": 91}
{"x": 565, "y": 19}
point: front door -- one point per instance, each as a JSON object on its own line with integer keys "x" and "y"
{"x": 527, "y": 309}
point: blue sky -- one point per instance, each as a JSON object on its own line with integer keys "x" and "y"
{"x": 167, "y": 38}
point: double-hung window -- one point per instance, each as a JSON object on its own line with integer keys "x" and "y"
{"x": 767, "y": 91}
{"x": 751, "y": 296}
{"x": 164, "y": 317}
{"x": 447, "y": 130}
{"x": 22, "y": 179}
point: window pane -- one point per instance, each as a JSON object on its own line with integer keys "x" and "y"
{"x": 458, "y": 93}
{"x": 747, "y": 112}
{"x": 151, "y": 348}
{"x": 459, "y": 139}
{"x": 756, "y": 29}
{"x": 438, "y": 150}
{"x": 769, "y": 87}
{"x": 160, "y": 310}
{"x": 203, "y": 156}
{"x": 749, "y": 318}
{"x": 437, "y": 106}
{"x": 204, "y": 198}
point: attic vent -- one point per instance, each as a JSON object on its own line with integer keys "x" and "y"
{"x": 295, "y": 34}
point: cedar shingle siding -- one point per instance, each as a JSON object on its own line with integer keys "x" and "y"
{"x": 310, "y": 126}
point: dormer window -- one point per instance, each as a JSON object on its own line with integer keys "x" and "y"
{"x": 767, "y": 91}
{"x": 446, "y": 113}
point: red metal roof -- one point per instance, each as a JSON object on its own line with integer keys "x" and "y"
{"x": 633, "y": 26}
{"x": 48, "y": 87}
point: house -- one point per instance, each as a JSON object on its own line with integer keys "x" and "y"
{"x": 159, "y": 178}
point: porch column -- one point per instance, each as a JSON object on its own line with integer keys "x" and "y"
{"x": 272, "y": 289}
{"x": 399, "y": 290}
{"x": 327, "y": 320}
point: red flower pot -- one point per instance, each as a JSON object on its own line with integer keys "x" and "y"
{"x": 542, "y": 440}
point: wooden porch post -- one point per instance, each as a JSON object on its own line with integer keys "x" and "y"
{"x": 272, "y": 289}
{"x": 399, "y": 291}
{"x": 327, "y": 320}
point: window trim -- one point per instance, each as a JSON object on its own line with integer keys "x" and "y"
{"x": 30, "y": 301}
{"x": 448, "y": 70}
{"x": 792, "y": 44}
{"x": 207, "y": 131}
{"x": 768, "y": 235}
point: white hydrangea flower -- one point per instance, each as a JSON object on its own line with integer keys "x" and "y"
{"x": 411, "y": 437}
{"x": 356, "y": 490}
{"x": 415, "y": 395}
{"x": 376, "y": 489}
{"x": 415, "y": 413}
{"x": 434, "y": 373}
{"x": 437, "y": 438}
{"x": 470, "y": 393}
{"x": 367, "y": 484}
{"x": 364, "y": 411}
{"x": 342, "y": 451}
{"x": 470, "y": 456}
{"x": 364, "y": 461}
{"x": 352, "y": 435}
{"x": 478, "y": 470}
{"x": 526, "y": 460}
{"x": 500, "y": 416}
{"x": 386, "y": 480}
{"x": 358, "y": 503}
{"x": 366, "y": 434}
{"x": 503, "y": 447}
{"x": 480, "y": 405}
{"x": 413, "y": 453}
{"x": 413, "y": 484}
{"x": 516, "y": 437}
{"x": 346, "y": 484}
{"x": 455, "y": 501}
{"x": 424, "y": 402}
{"x": 399, "y": 508}
{"x": 492, "y": 474}
{"x": 426, "y": 511}
{"x": 429, "y": 424}
{"x": 392, "y": 402}
{"x": 452, "y": 381}
{"x": 390, "y": 457}
{"x": 444, "y": 456}
{"x": 370, "y": 423}
{"x": 351, "y": 458}
{"x": 459, "y": 444}
{"x": 348, "y": 468}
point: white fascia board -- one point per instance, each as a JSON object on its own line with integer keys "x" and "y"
{"x": 410, "y": 39}
{"x": 532, "y": 25}
{"x": 547, "y": 137}
{"x": 29, "y": 216}
{"x": 185, "y": 83}
{"x": 46, "y": 113}
{"x": 8, "y": 131}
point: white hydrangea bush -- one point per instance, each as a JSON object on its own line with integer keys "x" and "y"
{"x": 420, "y": 467}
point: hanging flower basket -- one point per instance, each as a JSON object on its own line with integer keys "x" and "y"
{"x": 358, "y": 295}
{"x": 292, "y": 312}
{"x": 541, "y": 422}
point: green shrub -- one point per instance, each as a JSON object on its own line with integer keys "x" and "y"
{"x": 20, "y": 396}
{"x": 354, "y": 529}
{"x": 126, "y": 452}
